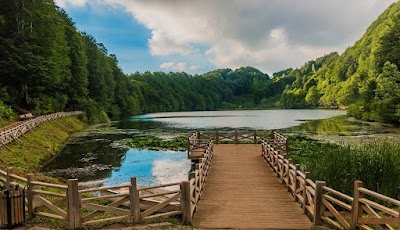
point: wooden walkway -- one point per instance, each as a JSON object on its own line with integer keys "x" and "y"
{"x": 241, "y": 191}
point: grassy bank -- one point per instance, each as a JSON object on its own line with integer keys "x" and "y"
{"x": 377, "y": 164}
{"x": 39, "y": 145}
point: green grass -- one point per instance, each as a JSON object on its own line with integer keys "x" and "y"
{"x": 39, "y": 145}
{"x": 377, "y": 164}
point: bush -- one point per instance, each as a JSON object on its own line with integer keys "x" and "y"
{"x": 355, "y": 110}
{"x": 5, "y": 111}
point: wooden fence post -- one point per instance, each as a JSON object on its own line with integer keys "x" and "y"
{"x": 307, "y": 175}
{"x": 255, "y": 136}
{"x": 135, "y": 201}
{"x": 186, "y": 202}
{"x": 217, "y": 137}
{"x": 74, "y": 205}
{"x": 318, "y": 206}
{"x": 296, "y": 182}
{"x": 356, "y": 211}
{"x": 236, "y": 136}
{"x": 287, "y": 146}
{"x": 290, "y": 161}
{"x": 10, "y": 171}
{"x": 29, "y": 195}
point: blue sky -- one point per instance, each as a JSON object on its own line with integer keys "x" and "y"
{"x": 119, "y": 32}
{"x": 197, "y": 36}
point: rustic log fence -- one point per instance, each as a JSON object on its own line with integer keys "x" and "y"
{"x": 199, "y": 141}
{"x": 14, "y": 132}
{"x": 198, "y": 176}
{"x": 324, "y": 204}
{"x": 79, "y": 207}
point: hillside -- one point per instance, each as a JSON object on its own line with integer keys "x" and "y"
{"x": 364, "y": 78}
{"x": 47, "y": 66}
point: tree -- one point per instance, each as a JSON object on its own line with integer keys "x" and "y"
{"x": 388, "y": 94}
{"x": 312, "y": 97}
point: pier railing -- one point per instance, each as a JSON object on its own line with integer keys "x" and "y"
{"x": 82, "y": 207}
{"x": 197, "y": 180}
{"x": 13, "y": 133}
{"x": 199, "y": 141}
{"x": 365, "y": 210}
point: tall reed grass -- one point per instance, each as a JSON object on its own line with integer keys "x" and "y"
{"x": 376, "y": 164}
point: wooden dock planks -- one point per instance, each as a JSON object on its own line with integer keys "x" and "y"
{"x": 242, "y": 192}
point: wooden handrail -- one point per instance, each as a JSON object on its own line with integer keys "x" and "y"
{"x": 325, "y": 207}
{"x": 13, "y": 133}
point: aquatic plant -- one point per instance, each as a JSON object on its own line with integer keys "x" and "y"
{"x": 155, "y": 143}
{"x": 377, "y": 164}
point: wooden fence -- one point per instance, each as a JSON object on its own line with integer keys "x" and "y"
{"x": 199, "y": 141}
{"x": 14, "y": 132}
{"x": 365, "y": 210}
{"x": 80, "y": 208}
{"x": 198, "y": 176}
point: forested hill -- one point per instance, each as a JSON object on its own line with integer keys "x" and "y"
{"x": 46, "y": 65}
{"x": 365, "y": 77}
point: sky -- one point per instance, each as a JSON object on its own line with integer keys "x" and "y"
{"x": 197, "y": 36}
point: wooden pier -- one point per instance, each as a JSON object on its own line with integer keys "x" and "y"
{"x": 231, "y": 185}
{"x": 241, "y": 192}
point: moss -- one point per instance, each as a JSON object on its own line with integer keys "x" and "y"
{"x": 39, "y": 145}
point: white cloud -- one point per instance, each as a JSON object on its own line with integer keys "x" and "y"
{"x": 270, "y": 35}
{"x": 74, "y": 3}
{"x": 179, "y": 66}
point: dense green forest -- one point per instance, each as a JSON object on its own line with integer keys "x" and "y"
{"x": 365, "y": 78}
{"x": 47, "y": 65}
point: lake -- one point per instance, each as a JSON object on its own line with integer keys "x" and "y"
{"x": 96, "y": 158}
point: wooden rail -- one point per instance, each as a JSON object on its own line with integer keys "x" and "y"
{"x": 14, "y": 132}
{"x": 365, "y": 210}
{"x": 82, "y": 207}
{"x": 198, "y": 179}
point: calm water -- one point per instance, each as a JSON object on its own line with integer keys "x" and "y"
{"x": 95, "y": 158}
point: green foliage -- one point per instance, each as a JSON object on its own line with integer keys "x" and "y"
{"x": 49, "y": 66}
{"x": 376, "y": 164}
{"x": 364, "y": 78}
{"x": 5, "y": 111}
{"x": 155, "y": 143}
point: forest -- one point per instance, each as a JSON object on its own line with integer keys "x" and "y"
{"x": 47, "y": 65}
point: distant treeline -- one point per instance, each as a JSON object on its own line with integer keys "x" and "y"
{"x": 47, "y": 65}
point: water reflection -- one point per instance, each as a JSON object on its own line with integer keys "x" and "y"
{"x": 95, "y": 156}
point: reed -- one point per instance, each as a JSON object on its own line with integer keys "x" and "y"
{"x": 377, "y": 164}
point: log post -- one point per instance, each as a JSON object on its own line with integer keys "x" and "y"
{"x": 287, "y": 145}
{"x": 236, "y": 136}
{"x": 356, "y": 211}
{"x": 29, "y": 195}
{"x": 186, "y": 202}
{"x": 135, "y": 201}
{"x": 290, "y": 161}
{"x": 10, "y": 171}
{"x": 255, "y": 136}
{"x": 318, "y": 205}
{"x": 74, "y": 205}
{"x": 305, "y": 199}
{"x": 296, "y": 183}
{"x": 188, "y": 146}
